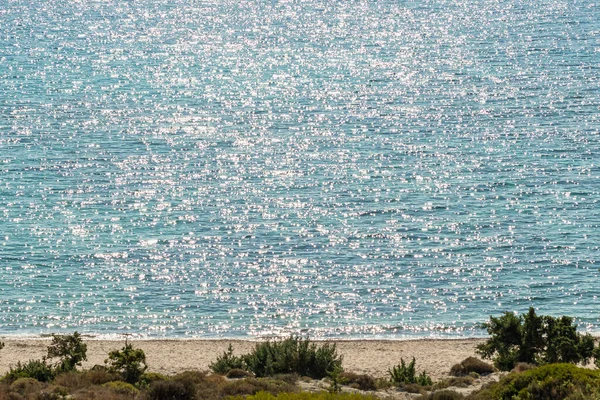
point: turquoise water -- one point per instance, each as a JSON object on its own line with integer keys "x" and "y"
{"x": 338, "y": 168}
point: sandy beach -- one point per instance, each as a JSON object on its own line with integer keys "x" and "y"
{"x": 372, "y": 357}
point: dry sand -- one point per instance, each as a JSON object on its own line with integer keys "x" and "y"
{"x": 372, "y": 357}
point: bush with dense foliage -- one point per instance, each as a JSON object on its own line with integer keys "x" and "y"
{"x": 534, "y": 339}
{"x": 291, "y": 355}
{"x": 548, "y": 382}
{"x": 172, "y": 390}
{"x": 70, "y": 351}
{"x": 228, "y": 361}
{"x": 122, "y": 387}
{"x": 405, "y": 374}
{"x": 129, "y": 362}
{"x": 35, "y": 369}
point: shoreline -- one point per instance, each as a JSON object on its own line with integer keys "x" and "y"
{"x": 171, "y": 356}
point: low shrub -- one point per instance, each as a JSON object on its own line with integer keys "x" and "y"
{"x": 356, "y": 381}
{"x": 150, "y": 377}
{"x": 101, "y": 393}
{"x": 412, "y": 388}
{"x": 405, "y": 374}
{"x": 35, "y": 369}
{"x": 99, "y": 376}
{"x": 171, "y": 390}
{"x": 552, "y": 381}
{"x": 383, "y": 383}
{"x": 335, "y": 380}
{"x": 73, "y": 380}
{"x": 26, "y": 386}
{"x": 211, "y": 387}
{"x": 122, "y": 387}
{"x": 456, "y": 381}
{"x": 4, "y": 389}
{"x": 236, "y": 373}
{"x": 293, "y": 355}
{"x": 70, "y": 351}
{"x": 308, "y": 396}
{"x": 51, "y": 395}
{"x": 56, "y": 390}
{"x": 252, "y": 386}
{"x": 129, "y": 362}
{"x": 288, "y": 378}
{"x": 191, "y": 376}
{"x": 534, "y": 339}
{"x": 227, "y": 362}
{"x": 471, "y": 364}
{"x": 443, "y": 395}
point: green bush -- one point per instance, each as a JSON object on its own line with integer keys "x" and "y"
{"x": 151, "y": 377}
{"x": 293, "y": 355}
{"x": 251, "y": 386}
{"x": 70, "y": 351}
{"x": 192, "y": 376}
{"x": 122, "y": 387}
{"x": 172, "y": 390}
{"x": 471, "y": 364}
{"x": 226, "y": 362}
{"x": 551, "y": 381}
{"x": 405, "y": 374}
{"x": 596, "y": 355}
{"x": 288, "y": 356}
{"x": 35, "y": 369}
{"x": 534, "y": 339}
{"x": 129, "y": 362}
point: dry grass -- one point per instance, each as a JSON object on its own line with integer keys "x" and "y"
{"x": 100, "y": 393}
{"x": 358, "y": 381}
{"x": 471, "y": 364}
{"x": 522, "y": 367}
{"x": 457, "y": 381}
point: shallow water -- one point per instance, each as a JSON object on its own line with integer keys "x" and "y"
{"x": 339, "y": 168}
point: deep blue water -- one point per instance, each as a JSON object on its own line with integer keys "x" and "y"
{"x": 339, "y": 168}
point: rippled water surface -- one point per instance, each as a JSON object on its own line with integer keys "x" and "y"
{"x": 339, "y": 168}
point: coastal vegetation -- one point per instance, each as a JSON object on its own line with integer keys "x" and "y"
{"x": 403, "y": 374}
{"x": 129, "y": 362}
{"x": 534, "y": 339}
{"x": 552, "y": 381}
{"x": 291, "y": 355}
{"x": 70, "y": 351}
{"x": 471, "y": 365}
{"x": 529, "y": 344}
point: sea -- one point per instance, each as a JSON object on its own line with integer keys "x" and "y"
{"x": 348, "y": 169}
